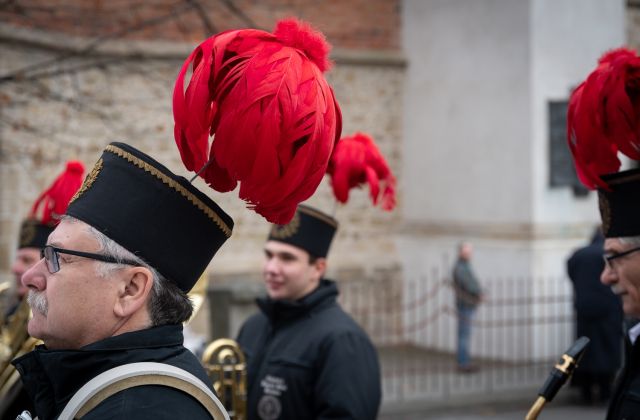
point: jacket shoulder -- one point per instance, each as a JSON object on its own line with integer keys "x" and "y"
{"x": 149, "y": 402}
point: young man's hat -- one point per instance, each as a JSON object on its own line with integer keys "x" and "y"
{"x": 310, "y": 229}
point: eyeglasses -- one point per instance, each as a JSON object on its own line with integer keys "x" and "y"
{"x": 50, "y": 255}
{"x": 608, "y": 259}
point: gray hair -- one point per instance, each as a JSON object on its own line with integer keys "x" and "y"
{"x": 168, "y": 304}
{"x": 630, "y": 240}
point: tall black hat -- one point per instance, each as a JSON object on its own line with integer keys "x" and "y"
{"x": 153, "y": 213}
{"x": 620, "y": 206}
{"x": 310, "y": 229}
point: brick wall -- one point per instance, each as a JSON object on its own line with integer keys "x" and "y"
{"x": 369, "y": 24}
{"x": 74, "y": 114}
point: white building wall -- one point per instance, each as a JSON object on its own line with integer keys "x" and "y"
{"x": 479, "y": 78}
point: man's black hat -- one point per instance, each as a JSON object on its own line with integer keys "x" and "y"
{"x": 310, "y": 229}
{"x": 34, "y": 234}
{"x": 620, "y": 207}
{"x": 153, "y": 213}
{"x": 49, "y": 207}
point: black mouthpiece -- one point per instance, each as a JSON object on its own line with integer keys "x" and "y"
{"x": 563, "y": 370}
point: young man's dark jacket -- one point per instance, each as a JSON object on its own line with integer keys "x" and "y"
{"x": 625, "y": 403}
{"x": 51, "y": 377}
{"x": 309, "y": 360}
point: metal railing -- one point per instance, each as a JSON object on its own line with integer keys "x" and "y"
{"x": 517, "y": 334}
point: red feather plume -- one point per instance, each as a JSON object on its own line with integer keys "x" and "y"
{"x": 357, "y": 160}
{"x": 604, "y": 117}
{"x": 273, "y": 116}
{"x": 53, "y": 201}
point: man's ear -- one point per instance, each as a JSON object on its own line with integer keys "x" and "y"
{"x": 133, "y": 291}
{"x": 320, "y": 265}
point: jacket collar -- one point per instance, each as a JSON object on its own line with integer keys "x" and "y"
{"x": 278, "y": 311}
{"x": 51, "y": 377}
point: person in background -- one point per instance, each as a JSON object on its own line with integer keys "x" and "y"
{"x": 306, "y": 358}
{"x": 468, "y": 294}
{"x": 599, "y": 317}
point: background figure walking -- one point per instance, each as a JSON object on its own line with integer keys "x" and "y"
{"x": 599, "y": 316}
{"x": 468, "y": 295}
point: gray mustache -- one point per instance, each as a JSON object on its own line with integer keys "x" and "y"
{"x": 38, "y": 302}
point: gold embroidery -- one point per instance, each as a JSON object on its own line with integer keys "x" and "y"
{"x": 27, "y": 233}
{"x": 173, "y": 184}
{"x": 89, "y": 180}
{"x": 288, "y": 230}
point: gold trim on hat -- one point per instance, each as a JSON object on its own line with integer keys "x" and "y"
{"x": 27, "y": 233}
{"x": 88, "y": 181}
{"x": 173, "y": 184}
{"x": 319, "y": 215}
{"x": 288, "y": 230}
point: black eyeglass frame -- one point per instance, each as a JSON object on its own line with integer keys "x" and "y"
{"x": 609, "y": 258}
{"x": 50, "y": 255}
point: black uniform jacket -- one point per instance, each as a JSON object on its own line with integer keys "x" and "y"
{"x": 625, "y": 403}
{"x": 599, "y": 314}
{"x": 51, "y": 377}
{"x": 309, "y": 360}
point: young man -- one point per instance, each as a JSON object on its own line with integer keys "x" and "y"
{"x": 307, "y": 359}
{"x": 111, "y": 288}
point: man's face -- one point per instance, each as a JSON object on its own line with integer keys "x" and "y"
{"x": 287, "y": 273}
{"x": 74, "y": 306}
{"x": 466, "y": 251}
{"x": 25, "y": 259}
{"x": 624, "y": 275}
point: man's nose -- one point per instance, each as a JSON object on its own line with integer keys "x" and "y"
{"x": 270, "y": 265}
{"x": 608, "y": 276}
{"x": 36, "y": 276}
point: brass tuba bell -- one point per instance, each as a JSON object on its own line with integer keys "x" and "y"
{"x": 226, "y": 366}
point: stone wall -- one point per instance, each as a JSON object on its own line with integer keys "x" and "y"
{"x": 116, "y": 93}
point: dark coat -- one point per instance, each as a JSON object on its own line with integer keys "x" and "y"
{"x": 599, "y": 314}
{"x": 309, "y": 360}
{"x": 625, "y": 403}
{"x": 51, "y": 377}
{"x": 466, "y": 285}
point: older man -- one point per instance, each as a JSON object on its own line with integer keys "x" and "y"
{"x": 307, "y": 359}
{"x": 111, "y": 289}
{"x": 619, "y": 209}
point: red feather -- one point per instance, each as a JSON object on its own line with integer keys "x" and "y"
{"x": 54, "y": 200}
{"x": 357, "y": 160}
{"x": 273, "y": 116}
{"x": 604, "y": 117}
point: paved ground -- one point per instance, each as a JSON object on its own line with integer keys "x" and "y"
{"x": 419, "y": 384}
{"x": 511, "y": 406}
{"x": 500, "y": 412}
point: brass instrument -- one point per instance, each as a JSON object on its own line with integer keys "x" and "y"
{"x": 226, "y": 366}
{"x": 14, "y": 342}
{"x": 558, "y": 376}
